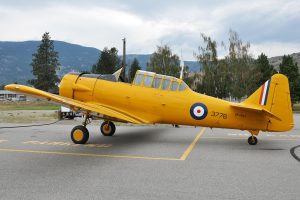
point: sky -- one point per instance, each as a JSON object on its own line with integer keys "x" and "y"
{"x": 271, "y": 26}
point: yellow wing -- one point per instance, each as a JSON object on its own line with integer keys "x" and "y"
{"x": 77, "y": 105}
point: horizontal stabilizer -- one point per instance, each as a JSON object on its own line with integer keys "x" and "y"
{"x": 254, "y": 109}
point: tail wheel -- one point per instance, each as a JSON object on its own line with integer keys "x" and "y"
{"x": 252, "y": 140}
{"x": 79, "y": 134}
{"x": 108, "y": 128}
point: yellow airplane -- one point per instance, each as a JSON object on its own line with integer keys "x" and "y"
{"x": 158, "y": 99}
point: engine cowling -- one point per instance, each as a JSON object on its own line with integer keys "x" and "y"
{"x": 78, "y": 86}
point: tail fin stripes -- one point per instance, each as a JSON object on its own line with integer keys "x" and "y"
{"x": 264, "y": 93}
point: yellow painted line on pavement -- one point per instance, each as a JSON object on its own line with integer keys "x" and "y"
{"x": 192, "y": 145}
{"x": 67, "y": 144}
{"x": 88, "y": 155}
{"x": 182, "y": 158}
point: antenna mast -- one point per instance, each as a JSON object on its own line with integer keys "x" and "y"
{"x": 182, "y": 66}
{"x": 124, "y": 60}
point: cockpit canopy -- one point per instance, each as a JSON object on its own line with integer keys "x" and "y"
{"x": 163, "y": 82}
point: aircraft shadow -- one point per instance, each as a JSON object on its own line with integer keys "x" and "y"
{"x": 141, "y": 136}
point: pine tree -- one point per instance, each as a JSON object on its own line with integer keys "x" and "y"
{"x": 264, "y": 68}
{"x": 163, "y": 61}
{"x": 133, "y": 68}
{"x": 108, "y": 62}
{"x": 44, "y": 65}
{"x": 290, "y": 69}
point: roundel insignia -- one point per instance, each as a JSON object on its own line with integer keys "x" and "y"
{"x": 198, "y": 111}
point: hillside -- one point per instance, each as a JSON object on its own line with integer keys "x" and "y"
{"x": 275, "y": 61}
{"x": 15, "y": 59}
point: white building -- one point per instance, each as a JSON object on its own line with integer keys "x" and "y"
{"x": 10, "y": 96}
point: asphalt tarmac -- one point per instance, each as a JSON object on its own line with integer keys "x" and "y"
{"x": 156, "y": 162}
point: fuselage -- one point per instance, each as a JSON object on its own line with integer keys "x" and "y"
{"x": 160, "y": 106}
{"x": 154, "y": 98}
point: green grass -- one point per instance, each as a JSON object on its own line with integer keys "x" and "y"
{"x": 296, "y": 107}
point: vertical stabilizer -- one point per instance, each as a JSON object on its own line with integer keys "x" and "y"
{"x": 274, "y": 96}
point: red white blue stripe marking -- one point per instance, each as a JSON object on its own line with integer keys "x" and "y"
{"x": 264, "y": 93}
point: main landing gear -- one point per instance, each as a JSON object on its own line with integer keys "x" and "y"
{"x": 80, "y": 133}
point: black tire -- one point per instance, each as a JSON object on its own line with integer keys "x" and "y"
{"x": 79, "y": 134}
{"x": 108, "y": 128}
{"x": 252, "y": 140}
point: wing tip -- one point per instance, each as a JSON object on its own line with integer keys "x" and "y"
{"x": 12, "y": 87}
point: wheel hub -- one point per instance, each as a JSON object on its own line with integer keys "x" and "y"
{"x": 78, "y": 135}
{"x": 107, "y": 128}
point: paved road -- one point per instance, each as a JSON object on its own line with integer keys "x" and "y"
{"x": 148, "y": 163}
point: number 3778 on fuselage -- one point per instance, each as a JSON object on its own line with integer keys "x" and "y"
{"x": 158, "y": 99}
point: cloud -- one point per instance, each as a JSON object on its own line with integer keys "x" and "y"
{"x": 275, "y": 48}
{"x": 269, "y": 25}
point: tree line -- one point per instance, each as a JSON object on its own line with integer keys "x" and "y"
{"x": 236, "y": 75}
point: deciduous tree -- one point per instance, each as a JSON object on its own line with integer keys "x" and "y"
{"x": 208, "y": 57}
{"x": 232, "y": 76}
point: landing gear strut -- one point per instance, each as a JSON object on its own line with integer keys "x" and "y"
{"x": 108, "y": 128}
{"x": 252, "y": 140}
{"x": 80, "y": 133}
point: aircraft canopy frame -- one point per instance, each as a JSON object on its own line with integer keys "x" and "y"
{"x": 158, "y": 81}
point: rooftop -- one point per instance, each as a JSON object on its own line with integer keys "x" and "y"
{"x": 6, "y": 92}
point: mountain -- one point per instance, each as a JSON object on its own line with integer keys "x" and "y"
{"x": 15, "y": 59}
{"x": 144, "y": 58}
{"x": 275, "y": 61}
